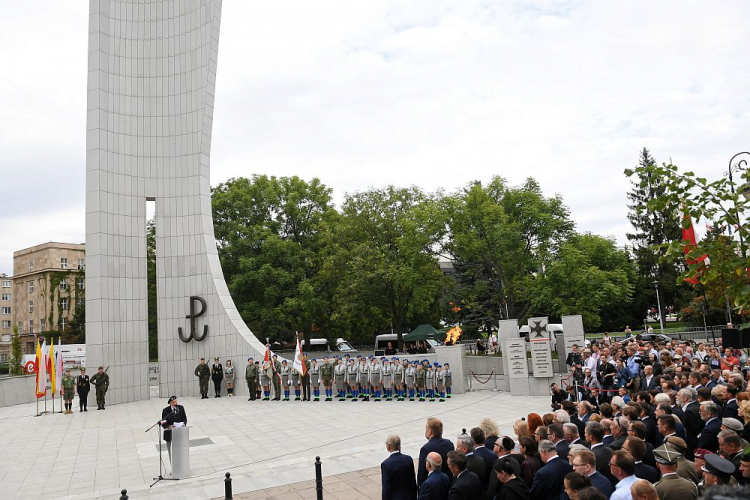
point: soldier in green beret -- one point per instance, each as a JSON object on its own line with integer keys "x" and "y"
{"x": 69, "y": 386}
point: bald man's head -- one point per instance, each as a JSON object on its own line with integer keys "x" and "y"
{"x": 643, "y": 490}
{"x": 434, "y": 461}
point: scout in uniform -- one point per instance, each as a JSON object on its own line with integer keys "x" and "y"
{"x": 203, "y": 374}
{"x": 284, "y": 373}
{"x": 217, "y": 375}
{"x": 229, "y": 377}
{"x": 101, "y": 382}
{"x": 448, "y": 379}
{"x": 429, "y": 381}
{"x": 440, "y": 381}
{"x": 386, "y": 372}
{"x": 276, "y": 379}
{"x": 314, "y": 375}
{"x": 326, "y": 376}
{"x": 347, "y": 387}
{"x": 339, "y": 378}
{"x": 364, "y": 379}
{"x": 294, "y": 380}
{"x": 410, "y": 378}
{"x": 251, "y": 377}
{"x": 420, "y": 380}
{"x": 375, "y": 377}
{"x": 398, "y": 378}
{"x": 352, "y": 376}
{"x": 672, "y": 486}
{"x": 69, "y": 390}
{"x": 266, "y": 375}
{"x": 83, "y": 385}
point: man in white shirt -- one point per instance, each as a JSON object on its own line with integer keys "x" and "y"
{"x": 622, "y": 467}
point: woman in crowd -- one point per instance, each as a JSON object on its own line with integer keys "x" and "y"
{"x": 531, "y": 461}
{"x": 491, "y": 432}
{"x": 522, "y": 430}
{"x": 534, "y": 420}
{"x": 574, "y": 483}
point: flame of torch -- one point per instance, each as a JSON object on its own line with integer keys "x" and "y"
{"x": 452, "y": 335}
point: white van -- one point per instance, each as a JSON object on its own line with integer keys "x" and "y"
{"x": 321, "y": 345}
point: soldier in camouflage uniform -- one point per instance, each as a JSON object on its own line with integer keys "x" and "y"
{"x": 101, "y": 382}
{"x": 251, "y": 377}
{"x": 203, "y": 374}
{"x": 69, "y": 389}
{"x": 326, "y": 376}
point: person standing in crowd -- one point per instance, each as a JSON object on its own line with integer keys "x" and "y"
{"x": 326, "y": 376}
{"x": 433, "y": 432}
{"x": 531, "y": 461}
{"x": 352, "y": 378}
{"x": 448, "y": 379}
{"x": 375, "y": 367}
{"x": 397, "y": 472}
{"x": 266, "y": 378}
{"x": 217, "y": 375}
{"x": 410, "y": 379}
{"x": 574, "y": 483}
{"x": 304, "y": 377}
{"x": 513, "y": 487}
{"x": 251, "y": 378}
{"x": 276, "y": 378}
{"x": 437, "y": 484}
{"x": 294, "y": 381}
{"x": 622, "y": 468}
{"x": 100, "y": 381}
{"x": 229, "y": 378}
{"x": 83, "y": 386}
{"x": 419, "y": 376}
{"x": 386, "y": 373}
{"x": 203, "y": 374}
{"x": 398, "y": 378}
{"x": 672, "y": 486}
{"x": 69, "y": 390}
{"x": 285, "y": 379}
{"x": 466, "y": 485}
{"x": 643, "y": 490}
{"x": 339, "y": 378}
{"x": 548, "y": 481}
{"x": 584, "y": 463}
{"x": 313, "y": 376}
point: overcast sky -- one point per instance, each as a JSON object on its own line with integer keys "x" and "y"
{"x": 436, "y": 94}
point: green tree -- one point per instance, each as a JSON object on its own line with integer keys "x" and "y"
{"x": 383, "y": 261}
{"x": 153, "y": 319}
{"x": 268, "y": 230}
{"x": 590, "y": 276}
{"x": 652, "y": 228}
{"x": 76, "y": 331}
{"x": 16, "y": 354}
{"x": 716, "y": 201}
{"x": 499, "y": 236}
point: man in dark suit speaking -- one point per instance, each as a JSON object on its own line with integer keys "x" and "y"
{"x": 397, "y": 472}
{"x": 171, "y": 415}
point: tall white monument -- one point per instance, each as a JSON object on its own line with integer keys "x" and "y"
{"x": 151, "y": 88}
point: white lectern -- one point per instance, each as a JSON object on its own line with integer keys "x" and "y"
{"x": 180, "y": 452}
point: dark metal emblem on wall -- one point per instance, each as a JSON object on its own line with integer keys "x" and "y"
{"x": 192, "y": 317}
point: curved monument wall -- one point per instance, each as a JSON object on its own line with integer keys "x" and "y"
{"x": 151, "y": 87}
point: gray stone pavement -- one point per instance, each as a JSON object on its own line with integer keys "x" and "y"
{"x": 266, "y": 446}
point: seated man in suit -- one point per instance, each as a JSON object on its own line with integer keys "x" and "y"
{"x": 397, "y": 472}
{"x": 173, "y": 414}
{"x": 549, "y": 480}
{"x": 437, "y": 484}
{"x": 435, "y": 442}
{"x": 466, "y": 485}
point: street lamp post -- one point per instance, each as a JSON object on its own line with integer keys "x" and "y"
{"x": 658, "y": 305}
{"x": 744, "y": 190}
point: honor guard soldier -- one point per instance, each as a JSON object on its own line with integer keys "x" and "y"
{"x": 314, "y": 375}
{"x": 420, "y": 380}
{"x": 440, "y": 381}
{"x": 718, "y": 471}
{"x": 352, "y": 377}
{"x": 277, "y": 379}
{"x": 251, "y": 377}
{"x": 217, "y": 375}
{"x": 386, "y": 372}
{"x": 101, "y": 382}
{"x": 326, "y": 376}
{"x": 375, "y": 377}
{"x": 285, "y": 380}
{"x": 398, "y": 378}
{"x": 339, "y": 378}
{"x": 203, "y": 374}
{"x": 672, "y": 486}
{"x": 410, "y": 378}
{"x": 69, "y": 390}
{"x": 364, "y": 379}
{"x": 83, "y": 386}
{"x": 229, "y": 377}
{"x": 305, "y": 377}
{"x": 448, "y": 379}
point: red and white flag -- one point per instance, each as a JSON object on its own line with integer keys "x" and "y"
{"x": 298, "y": 364}
{"x": 688, "y": 235}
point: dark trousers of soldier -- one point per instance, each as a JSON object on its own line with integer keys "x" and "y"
{"x": 305, "y": 380}
{"x": 276, "y": 388}
{"x": 100, "y": 392}
{"x": 217, "y": 387}
{"x": 252, "y": 386}
{"x": 83, "y": 400}
{"x": 203, "y": 382}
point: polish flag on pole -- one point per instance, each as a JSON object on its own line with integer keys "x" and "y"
{"x": 688, "y": 235}
{"x": 298, "y": 364}
{"x": 41, "y": 372}
{"x": 59, "y": 367}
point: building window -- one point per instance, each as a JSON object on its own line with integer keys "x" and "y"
{"x": 63, "y": 324}
{"x": 20, "y": 327}
{"x": 31, "y": 326}
{"x": 6, "y": 338}
{"x": 31, "y": 306}
{"x": 63, "y": 263}
{"x": 6, "y": 297}
{"x": 63, "y": 284}
{"x": 31, "y": 287}
{"x": 6, "y": 284}
{"x": 5, "y": 324}
{"x": 79, "y": 302}
{"x": 80, "y": 283}
{"x": 41, "y": 325}
{"x": 81, "y": 264}
{"x": 64, "y": 304}
{"x": 31, "y": 266}
{"x": 3, "y": 357}
{"x": 5, "y": 310}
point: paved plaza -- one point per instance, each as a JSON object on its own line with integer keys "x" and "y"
{"x": 264, "y": 445}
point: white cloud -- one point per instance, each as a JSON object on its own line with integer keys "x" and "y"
{"x": 434, "y": 94}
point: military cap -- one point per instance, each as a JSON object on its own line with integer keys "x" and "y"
{"x": 250, "y": 358}
{"x": 325, "y": 357}
{"x": 284, "y": 362}
{"x": 371, "y": 356}
{"x": 383, "y": 358}
{"x": 446, "y": 364}
{"x": 677, "y": 443}
{"x": 171, "y": 398}
{"x": 358, "y": 356}
{"x": 101, "y": 368}
{"x": 718, "y": 466}
{"x": 732, "y": 424}
{"x": 745, "y": 455}
{"x": 426, "y": 361}
{"x": 275, "y": 356}
{"x": 203, "y": 359}
{"x": 314, "y": 359}
{"x": 216, "y": 358}
{"x": 702, "y": 453}
{"x": 666, "y": 456}
{"x": 83, "y": 369}
{"x": 394, "y": 358}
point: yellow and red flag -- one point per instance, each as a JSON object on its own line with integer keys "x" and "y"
{"x": 52, "y": 370}
{"x": 41, "y": 372}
